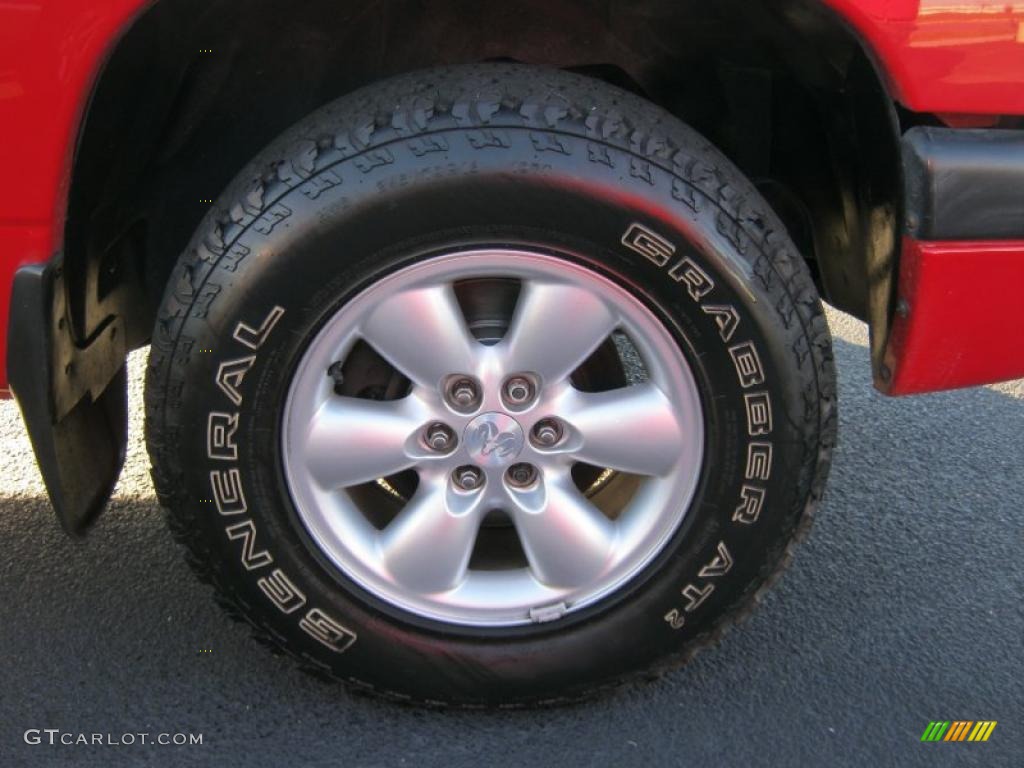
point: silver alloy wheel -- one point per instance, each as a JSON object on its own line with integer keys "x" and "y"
{"x": 575, "y": 553}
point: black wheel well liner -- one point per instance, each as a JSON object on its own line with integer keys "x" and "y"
{"x": 195, "y": 88}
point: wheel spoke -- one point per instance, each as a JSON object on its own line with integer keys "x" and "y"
{"x": 632, "y": 429}
{"x": 351, "y": 441}
{"x": 428, "y": 545}
{"x": 422, "y": 332}
{"x": 568, "y": 541}
{"x": 555, "y": 328}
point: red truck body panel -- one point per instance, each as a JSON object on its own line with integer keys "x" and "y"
{"x": 50, "y": 54}
{"x": 952, "y": 57}
{"x": 979, "y": 284}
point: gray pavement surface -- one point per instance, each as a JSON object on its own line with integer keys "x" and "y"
{"x": 904, "y": 606}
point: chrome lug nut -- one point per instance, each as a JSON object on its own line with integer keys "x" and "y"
{"x": 546, "y": 433}
{"x": 468, "y": 478}
{"x": 439, "y": 437}
{"x": 518, "y": 390}
{"x": 521, "y": 475}
{"x": 463, "y": 393}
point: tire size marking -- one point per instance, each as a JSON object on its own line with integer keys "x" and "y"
{"x": 757, "y": 404}
{"x": 226, "y": 488}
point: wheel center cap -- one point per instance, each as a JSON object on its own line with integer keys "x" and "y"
{"x": 493, "y": 439}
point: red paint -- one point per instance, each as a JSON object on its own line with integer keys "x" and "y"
{"x": 965, "y": 321}
{"x": 956, "y": 57}
{"x": 50, "y": 53}
{"x": 953, "y": 56}
{"x": 957, "y": 120}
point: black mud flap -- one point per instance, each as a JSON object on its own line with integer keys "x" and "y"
{"x": 73, "y": 397}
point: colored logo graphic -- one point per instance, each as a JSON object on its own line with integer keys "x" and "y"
{"x": 958, "y": 730}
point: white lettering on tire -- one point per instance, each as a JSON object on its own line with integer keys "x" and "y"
{"x": 757, "y": 404}
{"x": 228, "y": 494}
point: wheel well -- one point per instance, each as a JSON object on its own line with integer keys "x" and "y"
{"x": 196, "y": 87}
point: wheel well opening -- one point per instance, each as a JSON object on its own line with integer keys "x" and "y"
{"x": 195, "y": 88}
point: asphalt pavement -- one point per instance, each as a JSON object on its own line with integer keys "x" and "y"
{"x": 904, "y": 606}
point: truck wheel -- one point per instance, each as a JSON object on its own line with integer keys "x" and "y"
{"x": 490, "y": 385}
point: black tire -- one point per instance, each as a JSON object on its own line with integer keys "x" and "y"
{"x": 508, "y": 154}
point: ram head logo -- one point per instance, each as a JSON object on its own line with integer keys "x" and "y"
{"x": 487, "y": 440}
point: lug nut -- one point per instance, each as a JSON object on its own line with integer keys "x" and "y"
{"x": 518, "y": 390}
{"x": 439, "y": 437}
{"x": 547, "y": 433}
{"x": 521, "y": 475}
{"x": 468, "y": 478}
{"x": 463, "y": 393}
